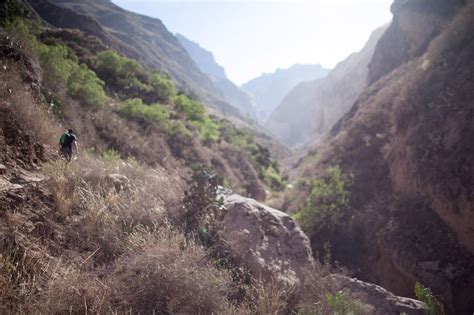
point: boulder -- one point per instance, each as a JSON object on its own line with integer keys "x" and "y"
{"x": 119, "y": 181}
{"x": 267, "y": 240}
{"x": 382, "y": 301}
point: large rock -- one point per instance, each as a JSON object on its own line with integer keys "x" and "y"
{"x": 268, "y": 241}
{"x": 382, "y": 301}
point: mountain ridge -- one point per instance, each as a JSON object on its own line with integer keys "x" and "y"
{"x": 269, "y": 88}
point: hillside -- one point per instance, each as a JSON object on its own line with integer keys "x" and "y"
{"x": 138, "y": 37}
{"x": 208, "y": 65}
{"x": 310, "y": 109}
{"x": 138, "y": 222}
{"x": 269, "y": 89}
{"x": 390, "y": 191}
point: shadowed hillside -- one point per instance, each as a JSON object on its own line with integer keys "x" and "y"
{"x": 390, "y": 190}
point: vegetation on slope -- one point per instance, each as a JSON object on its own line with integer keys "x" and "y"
{"x": 149, "y": 98}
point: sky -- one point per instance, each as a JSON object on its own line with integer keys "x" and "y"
{"x": 251, "y": 37}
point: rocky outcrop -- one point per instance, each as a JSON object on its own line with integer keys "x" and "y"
{"x": 414, "y": 25}
{"x": 275, "y": 250}
{"x": 268, "y": 241}
{"x": 382, "y": 301}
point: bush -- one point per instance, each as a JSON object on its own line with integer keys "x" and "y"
{"x": 121, "y": 71}
{"x": 328, "y": 196}
{"x": 192, "y": 110}
{"x": 60, "y": 69}
{"x": 341, "y": 304}
{"x": 162, "y": 86}
{"x": 55, "y": 63}
{"x": 84, "y": 84}
{"x": 195, "y": 113}
{"x": 424, "y": 294}
{"x": 273, "y": 179}
{"x": 155, "y": 113}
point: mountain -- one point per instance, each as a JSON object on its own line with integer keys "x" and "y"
{"x": 311, "y": 108}
{"x": 397, "y": 170}
{"x": 269, "y": 89}
{"x": 207, "y": 64}
{"x": 203, "y": 58}
{"x": 138, "y": 37}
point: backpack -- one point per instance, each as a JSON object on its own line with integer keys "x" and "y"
{"x": 63, "y": 139}
{"x": 67, "y": 139}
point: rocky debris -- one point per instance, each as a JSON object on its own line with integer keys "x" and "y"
{"x": 383, "y": 301}
{"x": 3, "y": 169}
{"x": 119, "y": 181}
{"x": 268, "y": 241}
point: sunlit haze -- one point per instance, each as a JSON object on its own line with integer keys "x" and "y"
{"x": 249, "y": 38}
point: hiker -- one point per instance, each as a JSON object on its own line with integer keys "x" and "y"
{"x": 66, "y": 142}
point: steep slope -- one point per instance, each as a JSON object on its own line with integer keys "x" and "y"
{"x": 207, "y": 64}
{"x": 139, "y": 37}
{"x": 269, "y": 89}
{"x": 311, "y": 109}
{"x": 406, "y": 147}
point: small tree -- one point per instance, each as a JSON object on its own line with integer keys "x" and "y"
{"x": 201, "y": 204}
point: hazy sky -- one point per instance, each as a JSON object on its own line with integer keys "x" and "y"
{"x": 251, "y": 37}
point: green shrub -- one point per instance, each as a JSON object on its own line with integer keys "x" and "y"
{"x": 192, "y": 110}
{"x": 424, "y": 294}
{"x": 121, "y": 71}
{"x": 111, "y": 156}
{"x": 55, "y": 63}
{"x": 179, "y": 130}
{"x": 195, "y": 113}
{"x": 341, "y": 304}
{"x": 155, "y": 113}
{"x": 329, "y": 195}
{"x": 273, "y": 179}
{"x": 207, "y": 128}
{"x": 60, "y": 69}
{"x": 21, "y": 30}
{"x": 162, "y": 86}
{"x": 84, "y": 84}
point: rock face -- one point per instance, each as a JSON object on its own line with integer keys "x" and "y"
{"x": 276, "y": 250}
{"x": 269, "y": 89}
{"x": 268, "y": 241}
{"x": 407, "y": 145}
{"x": 310, "y": 109}
{"x": 382, "y": 301}
{"x": 414, "y": 25}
